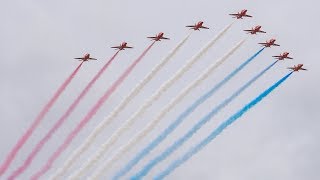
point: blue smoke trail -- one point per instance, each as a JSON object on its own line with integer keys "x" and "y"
{"x": 179, "y": 120}
{"x": 218, "y": 131}
{"x": 146, "y": 169}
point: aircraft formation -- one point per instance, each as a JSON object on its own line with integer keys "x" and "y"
{"x": 199, "y": 25}
{"x": 123, "y": 46}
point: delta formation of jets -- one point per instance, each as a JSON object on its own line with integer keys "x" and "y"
{"x": 199, "y": 25}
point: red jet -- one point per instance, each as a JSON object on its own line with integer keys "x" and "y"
{"x": 255, "y": 30}
{"x": 86, "y": 57}
{"x": 122, "y": 46}
{"x": 240, "y": 14}
{"x": 158, "y": 37}
{"x": 269, "y": 43}
{"x": 197, "y": 26}
{"x": 283, "y": 56}
{"x": 297, "y": 68}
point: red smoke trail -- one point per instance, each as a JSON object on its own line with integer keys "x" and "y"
{"x": 36, "y": 122}
{"x": 87, "y": 118}
{"x": 58, "y": 124}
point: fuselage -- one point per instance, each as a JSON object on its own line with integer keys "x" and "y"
{"x": 198, "y": 25}
{"x": 284, "y": 55}
{"x": 270, "y": 42}
{"x": 159, "y": 36}
{"x": 86, "y": 57}
{"x": 298, "y": 67}
{"x": 244, "y": 12}
{"x": 256, "y": 29}
{"x": 123, "y": 45}
{"x": 241, "y": 14}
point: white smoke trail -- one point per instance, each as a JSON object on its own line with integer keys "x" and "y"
{"x": 163, "y": 112}
{"x": 127, "y": 124}
{"x": 90, "y": 139}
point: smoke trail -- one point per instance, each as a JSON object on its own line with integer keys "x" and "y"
{"x": 165, "y": 110}
{"x": 127, "y": 124}
{"x": 102, "y": 125}
{"x": 59, "y": 123}
{"x": 179, "y": 120}
{"x": 36, "y": 122}
{"x": 90, "y": 114}
{"x": 197, "y": 126}
{"x": 218, "y": 130}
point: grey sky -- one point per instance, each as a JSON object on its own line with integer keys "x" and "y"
{"x": 278, "y": 139}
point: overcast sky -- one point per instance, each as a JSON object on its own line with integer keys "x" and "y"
{"x": 277, "y": 139}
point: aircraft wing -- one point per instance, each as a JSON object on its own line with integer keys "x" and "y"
{"x": 165, "y": 38}
{"x": 263, "y": 43}
{"x": 92, "y": 58}
{"x": 262, "y": 31}
{"x": 116, "y": 47}
{"x": 248, "y": 30}
{"x": 281, "y": 57}
{"x": 128, "y": 47}
{"x": 78, "y": 58}
{"x": 191, "y": 26}
{"x": 203, "y": 27}
{"x": 247, "y": 16}
{"x": 152, "y": 37}
{"x": 303, "y": 69}
{"x": 276, "y": 44}
{"x": 233, "y": 14}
